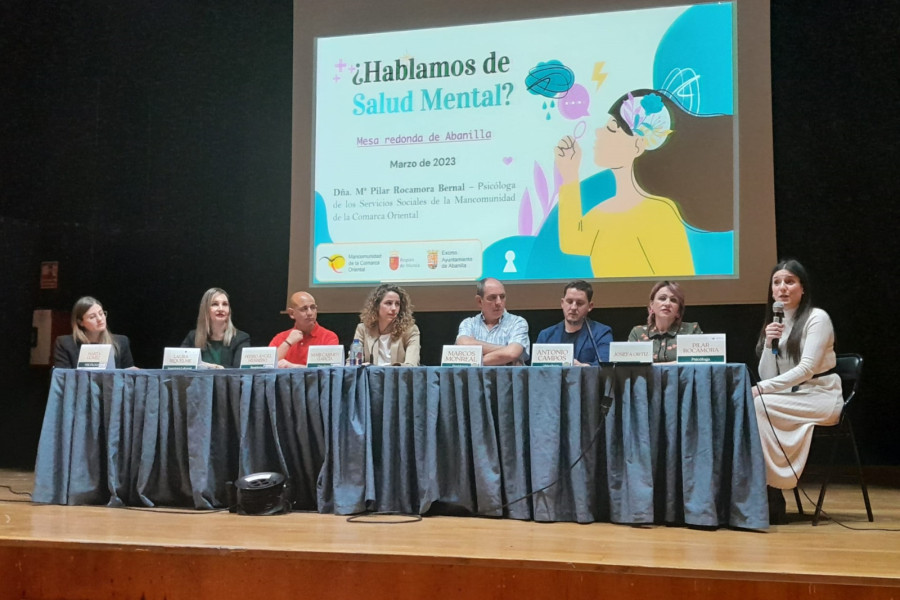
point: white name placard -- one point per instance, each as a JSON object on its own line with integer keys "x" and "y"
{"x": 96, "y": 356}
{"x": 705, "y": 348}
{"x": 181, "y": 358}
{"x": 543, "y": 355}
{"x": 263, "y": 357}
{"x": 634, "y": 352}
{"x": 461, "y": 356}
{"x": 325, "y": 356}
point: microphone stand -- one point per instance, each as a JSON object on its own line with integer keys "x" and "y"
{"x": 587, "y": 323}
{"x": 608, "y": 398}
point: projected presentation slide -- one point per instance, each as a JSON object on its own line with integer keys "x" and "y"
{"x": 591, "y": 146}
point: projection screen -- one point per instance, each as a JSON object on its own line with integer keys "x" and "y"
{"x": 623, "y": 145}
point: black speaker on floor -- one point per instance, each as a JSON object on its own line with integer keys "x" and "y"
{"x": 263, "y": 493}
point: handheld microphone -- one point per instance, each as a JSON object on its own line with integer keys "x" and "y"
{"x": 777, "y": 317}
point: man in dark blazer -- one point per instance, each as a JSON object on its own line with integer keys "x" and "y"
{"x": 589, "y": 339}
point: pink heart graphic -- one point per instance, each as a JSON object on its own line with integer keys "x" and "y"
{"x": 507, "y": 160}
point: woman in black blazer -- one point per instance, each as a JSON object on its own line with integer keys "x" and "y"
{"x": 220, "y": 342}
{"x": 89, "y": 327}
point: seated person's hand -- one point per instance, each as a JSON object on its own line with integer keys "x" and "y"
{"x": 774, "y": 331}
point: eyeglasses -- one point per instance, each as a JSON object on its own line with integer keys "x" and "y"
{"x": 96, "y": 316}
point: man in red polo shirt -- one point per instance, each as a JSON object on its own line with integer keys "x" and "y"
{"x": 293, "y": 345}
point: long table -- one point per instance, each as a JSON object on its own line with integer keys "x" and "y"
{"x": 674, "y": 444}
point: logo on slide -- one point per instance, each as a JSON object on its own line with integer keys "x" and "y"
{"x": 335, "y": 261}
{"x": 432, "y": 259}
{"x": 394, "y": 261}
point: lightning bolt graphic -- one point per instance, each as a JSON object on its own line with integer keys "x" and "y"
{"x": 599, "y": 76}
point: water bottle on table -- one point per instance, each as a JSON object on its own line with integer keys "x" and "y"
{"x": 355, "y": 355}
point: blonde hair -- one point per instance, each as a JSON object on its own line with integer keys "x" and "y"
{"x": 204, "y": 327}
{"x": 82, "y": 305}
{"x": 677, "y": 293}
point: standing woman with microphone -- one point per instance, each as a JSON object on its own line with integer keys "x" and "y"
{"x": 387, "y": 329}
{"x": 798, "y": 389}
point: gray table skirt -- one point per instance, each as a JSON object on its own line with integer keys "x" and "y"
{"x": 678, "y": 445}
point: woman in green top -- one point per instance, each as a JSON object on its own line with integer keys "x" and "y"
{"x": 220, "y": 342}
{"x": 664, "y": 321}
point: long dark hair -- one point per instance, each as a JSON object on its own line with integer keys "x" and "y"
{"x": 693, "y": 167}
{"x": 792, "y": 345}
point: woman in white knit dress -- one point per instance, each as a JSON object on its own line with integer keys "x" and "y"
{"x": 798, "y": 390}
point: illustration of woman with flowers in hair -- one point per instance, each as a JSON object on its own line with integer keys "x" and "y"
{"x": 652, "y": 148}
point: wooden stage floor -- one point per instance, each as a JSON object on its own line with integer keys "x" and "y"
{"x": 97, "y": 552}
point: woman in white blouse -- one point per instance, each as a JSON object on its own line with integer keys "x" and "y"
{"x": 387, "y": 329}
{"x": 798, "y": 389}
